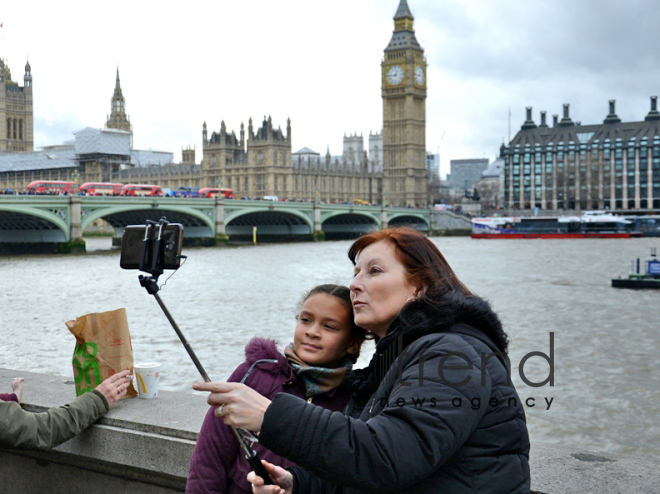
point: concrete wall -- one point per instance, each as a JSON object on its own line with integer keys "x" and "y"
{"x": 145, "y": 446}
{"x": 448, "y": 220}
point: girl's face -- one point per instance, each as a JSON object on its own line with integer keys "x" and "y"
{"x": 323, "y": 332}
{"x": 380, "y": 287}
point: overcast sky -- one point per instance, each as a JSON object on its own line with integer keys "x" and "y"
{"x": 318, "y": 63}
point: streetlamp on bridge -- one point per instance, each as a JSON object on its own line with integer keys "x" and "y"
{"x": 75, "y": 176}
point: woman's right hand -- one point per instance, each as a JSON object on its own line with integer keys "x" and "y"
{"x": 283, "y": 480}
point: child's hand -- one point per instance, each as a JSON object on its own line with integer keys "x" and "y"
{"x": 17, "y": 388}
{"x": 283, "y": 480}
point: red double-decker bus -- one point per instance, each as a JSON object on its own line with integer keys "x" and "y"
{"x": 52, "y": 187}
{"x": 215, "y": 192}
{"x": 100, "y": 189}
{"x": 141, "y": 190}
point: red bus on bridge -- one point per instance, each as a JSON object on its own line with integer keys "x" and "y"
{"x": 215, "y": 192}
{"x": 141, "y": 190}
{"x": 51, "y": 187}
{"x": 100, "y": 189}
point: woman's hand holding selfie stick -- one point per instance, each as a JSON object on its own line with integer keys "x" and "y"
{"x": 238, "y": 404}
{"x": 250, "y": 455}
{"x": 248, "y": 409}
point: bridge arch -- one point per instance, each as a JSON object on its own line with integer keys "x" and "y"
{"x": 287, "y": 224}
{"x": 342, "y": 225}
{"x": 231, "y": 216}
{"x": 417, "y": 221}
{"x": 375, "y": 218}
{"x": 194, "y": 220}
{"x": 22, "y": 218}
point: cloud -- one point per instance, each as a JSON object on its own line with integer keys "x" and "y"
{"x": 319, "y": 64}
{"x": 56, "y": 128}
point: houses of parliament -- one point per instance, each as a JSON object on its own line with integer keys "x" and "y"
{"x": 256, "y": 161}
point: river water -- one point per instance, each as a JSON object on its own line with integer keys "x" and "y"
{"x": 606, "y": 368}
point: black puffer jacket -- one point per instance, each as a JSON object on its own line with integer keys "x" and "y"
{"x": 415, "y": 433}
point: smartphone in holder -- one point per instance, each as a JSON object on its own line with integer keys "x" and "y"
{"x": 144, "y": 242}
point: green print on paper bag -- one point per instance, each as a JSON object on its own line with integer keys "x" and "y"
{"x": 85, "y": 368}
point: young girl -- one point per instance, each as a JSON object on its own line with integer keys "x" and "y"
{"x": 326, "y": 344}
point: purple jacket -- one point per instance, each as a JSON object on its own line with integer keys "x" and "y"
{"x": 8, "y": 397}
{"x": 217, "y": 464}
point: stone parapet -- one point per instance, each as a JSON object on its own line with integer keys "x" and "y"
{"x": 145, "y": 446}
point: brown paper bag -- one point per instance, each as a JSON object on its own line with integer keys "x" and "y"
{"x": 103, "y": 348}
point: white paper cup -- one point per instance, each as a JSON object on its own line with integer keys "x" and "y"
{"x": 147, "y": 375}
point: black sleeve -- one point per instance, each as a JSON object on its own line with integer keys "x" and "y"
{"x": 305, "y": 482}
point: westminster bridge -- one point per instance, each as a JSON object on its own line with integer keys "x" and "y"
{"x": 61, "y": 220}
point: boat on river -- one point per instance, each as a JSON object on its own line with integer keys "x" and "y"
{"x": 649, "y": 279}
{"x": 592, "y": 224}
{"x": 647, "y": 224}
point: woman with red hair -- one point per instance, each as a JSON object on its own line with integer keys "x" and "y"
{"x": 435, "y": 411}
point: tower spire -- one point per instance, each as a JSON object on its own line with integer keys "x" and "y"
{"x": 118, "y": 118}
{"x": 403, "y": 12}
{"x": 118, "y": 96}
{"x": 403, "y": 36}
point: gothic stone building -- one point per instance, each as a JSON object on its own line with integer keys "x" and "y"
{"x": 263, "y": 164}
{"x": 16, "y": 129}
{"x": 613, "y": 165}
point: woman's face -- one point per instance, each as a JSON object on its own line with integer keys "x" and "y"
{"x": 323, "y": 332}
{"x": 380, "y": 287}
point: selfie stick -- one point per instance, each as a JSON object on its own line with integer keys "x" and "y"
{"x": 151, "y": 285}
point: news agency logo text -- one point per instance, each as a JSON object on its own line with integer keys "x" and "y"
{"x": 475, "y": 403}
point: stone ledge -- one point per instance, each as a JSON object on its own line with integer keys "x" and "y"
{"x": 176, "y": 415}
{"x": 145, "y": 446}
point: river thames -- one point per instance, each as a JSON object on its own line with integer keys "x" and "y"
{"x": 606, "y": 369}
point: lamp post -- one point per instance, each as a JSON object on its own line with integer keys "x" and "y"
{"x": 75, "y": 176}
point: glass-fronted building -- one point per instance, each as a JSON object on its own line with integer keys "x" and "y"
{"x": 613, "y": 165}
{"x": 464, "y": 174}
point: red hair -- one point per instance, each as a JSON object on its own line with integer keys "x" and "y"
{"x": 427, "y": 268}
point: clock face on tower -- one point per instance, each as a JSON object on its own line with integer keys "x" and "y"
{"x": 395, "y": 75}
{"x": 419, "y": 75}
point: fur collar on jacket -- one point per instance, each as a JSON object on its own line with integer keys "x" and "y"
{"x": 263, "y": 348}
{"x": 420, "y": 318}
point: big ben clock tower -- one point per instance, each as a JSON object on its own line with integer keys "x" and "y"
{"x": 404, "y": 115}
